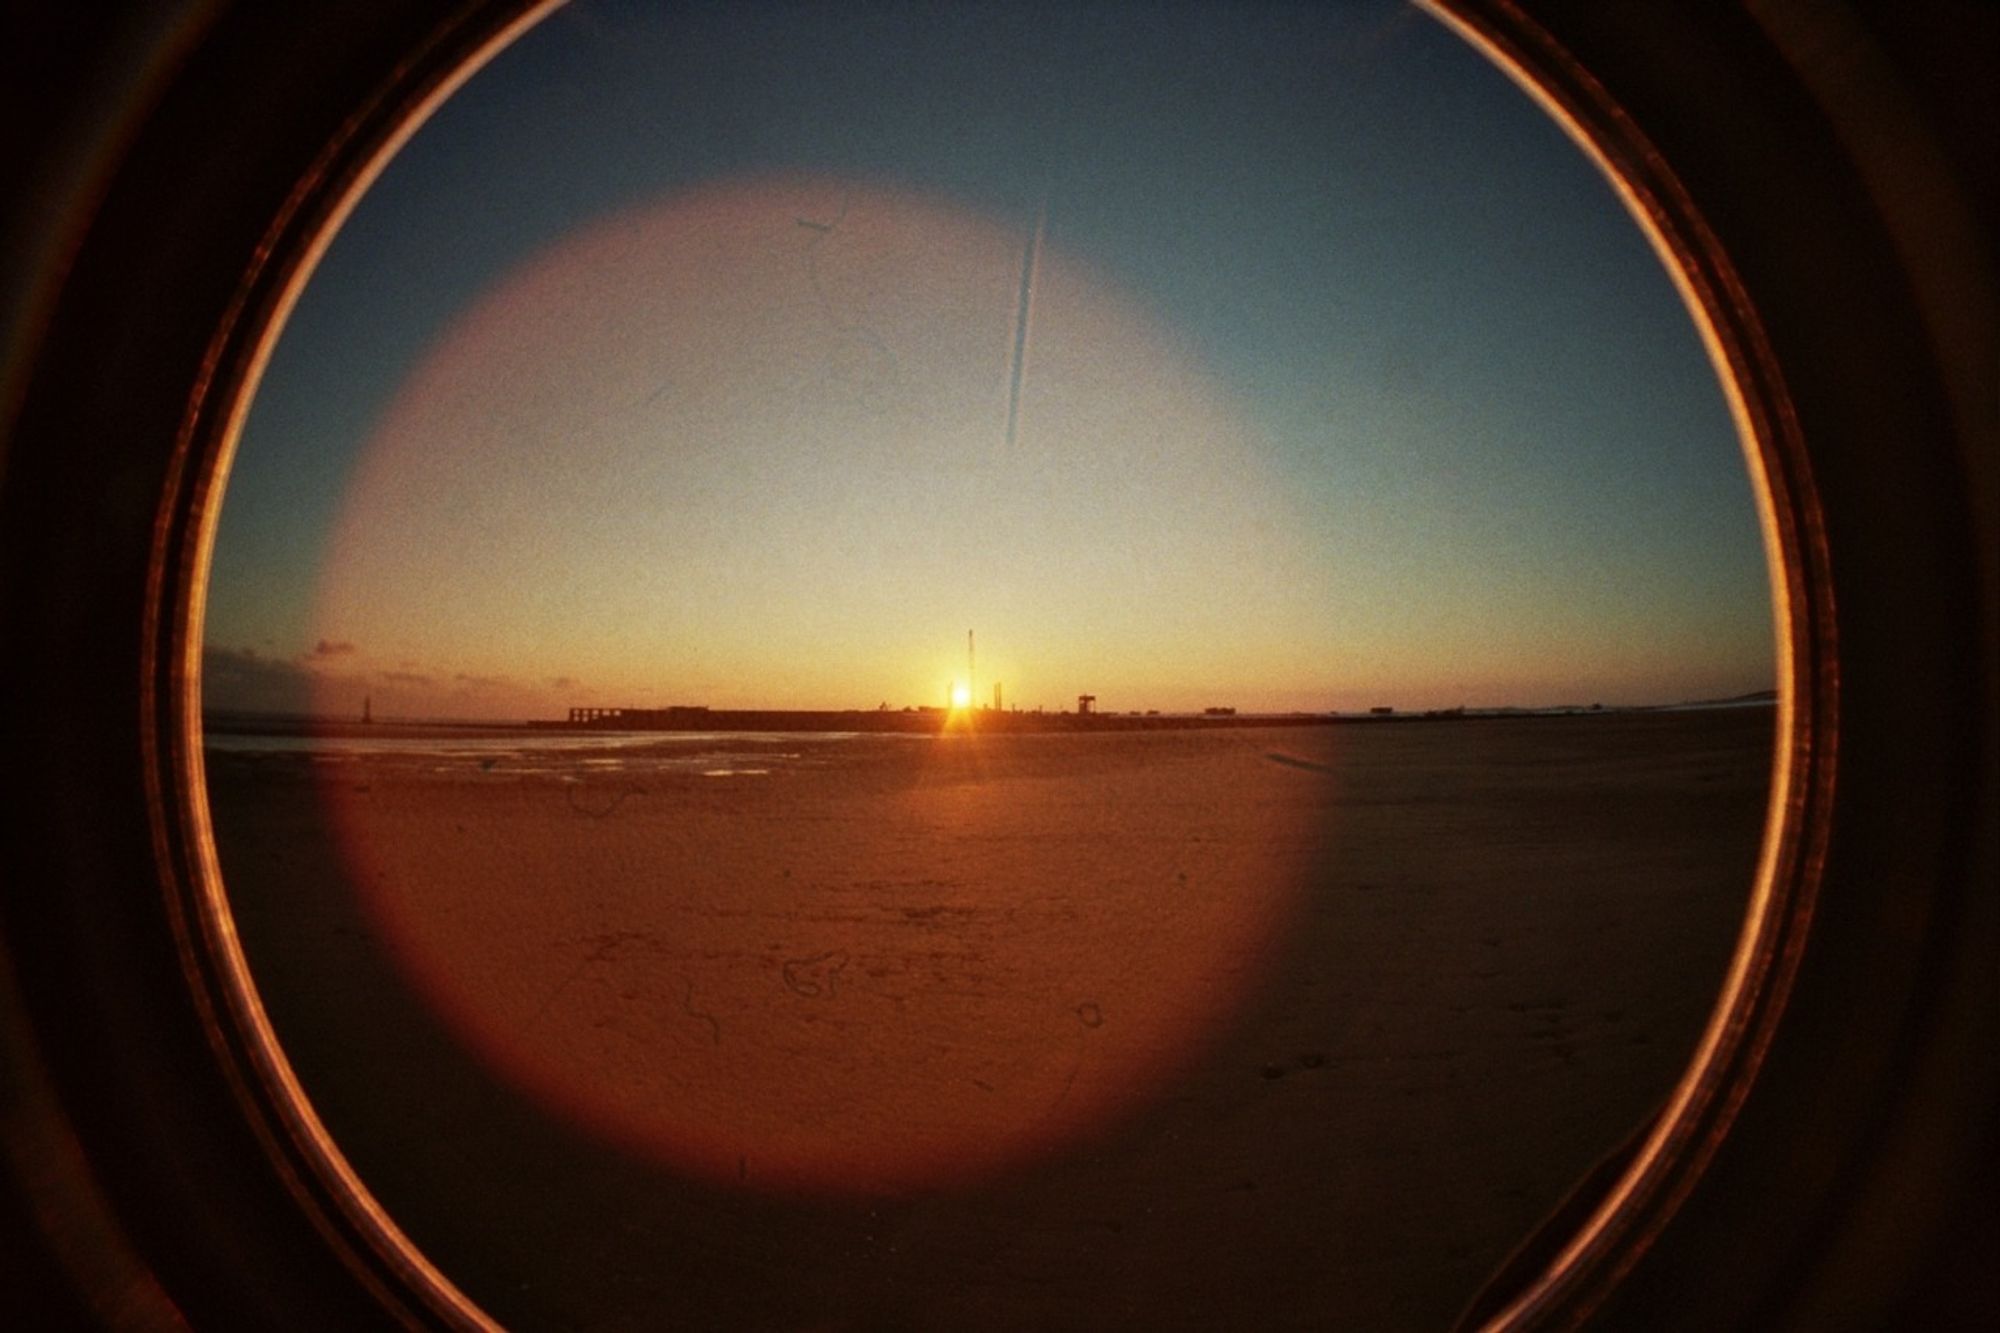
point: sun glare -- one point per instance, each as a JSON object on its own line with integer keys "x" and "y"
{"x": 961, "y": 696}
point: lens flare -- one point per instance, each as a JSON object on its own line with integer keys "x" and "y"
{"x": 739, "y": 444}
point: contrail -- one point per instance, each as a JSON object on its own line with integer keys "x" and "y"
{"x": 1031, "y": 258}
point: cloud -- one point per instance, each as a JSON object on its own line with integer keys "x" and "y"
{"x": 240, "y": 679}
{"x": 334, "y": 678}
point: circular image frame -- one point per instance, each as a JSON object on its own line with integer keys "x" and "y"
{"x": 141, "y": 1073}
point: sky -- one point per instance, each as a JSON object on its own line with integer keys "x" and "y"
{"x": 683, "y": 358}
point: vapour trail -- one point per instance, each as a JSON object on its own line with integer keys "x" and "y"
{"x": 1031, "y": 258}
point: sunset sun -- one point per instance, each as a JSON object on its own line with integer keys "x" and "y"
{"x": 961, "y": 696}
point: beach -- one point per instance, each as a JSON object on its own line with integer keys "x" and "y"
{"x": 1286, "y": 1027}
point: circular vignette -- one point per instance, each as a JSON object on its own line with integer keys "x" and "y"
{"x": 1760, "y": 1199}
{"x": 1807, "y": 1167}
{"x": 193, "y": 1185}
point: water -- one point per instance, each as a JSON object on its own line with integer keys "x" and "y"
{"x": 566, "y": 756}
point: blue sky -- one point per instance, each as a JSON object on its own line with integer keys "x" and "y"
{"x": 1459, "y": 441}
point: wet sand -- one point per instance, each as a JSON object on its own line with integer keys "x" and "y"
{"x": 1286, "y": 1028}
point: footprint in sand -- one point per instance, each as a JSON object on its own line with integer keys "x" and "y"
{"x": 813, "y": 976}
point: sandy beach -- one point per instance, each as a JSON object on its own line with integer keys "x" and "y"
{"x": 1298, "y": 1027}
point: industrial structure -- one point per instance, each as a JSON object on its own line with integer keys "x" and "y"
{"x": 961, "y": 712}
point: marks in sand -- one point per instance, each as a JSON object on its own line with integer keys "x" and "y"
{"x": 814, "y": 975}
{"x": 597, "y": 804}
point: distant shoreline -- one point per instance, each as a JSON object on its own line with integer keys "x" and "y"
{"x": 930, "y": 721}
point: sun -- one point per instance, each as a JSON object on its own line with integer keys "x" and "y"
{"x": 961, "y": 696}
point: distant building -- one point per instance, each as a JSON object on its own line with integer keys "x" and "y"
{"x": 1086, "y": 703}
{"x": 996, "y": 696}
{"x": 1381, "y": 712}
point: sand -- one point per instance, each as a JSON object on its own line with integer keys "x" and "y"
{"x": 1279, "y": 1028}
